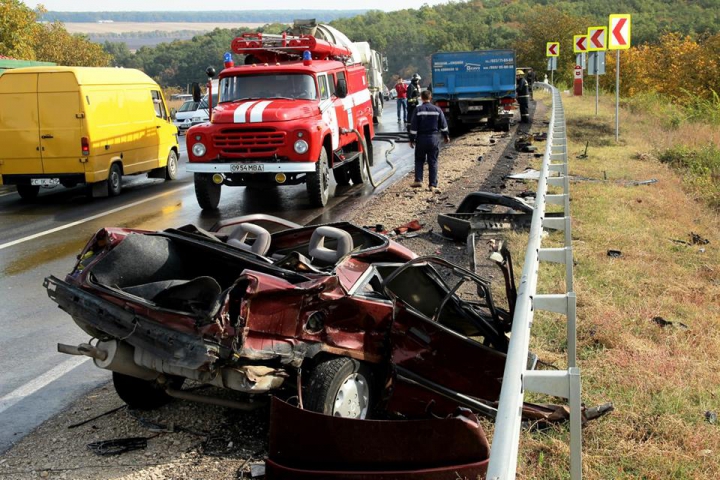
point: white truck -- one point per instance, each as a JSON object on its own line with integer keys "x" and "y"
{"x": 374, "y": 62}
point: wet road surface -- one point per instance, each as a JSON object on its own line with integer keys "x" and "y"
{"x": 42, "y": 238}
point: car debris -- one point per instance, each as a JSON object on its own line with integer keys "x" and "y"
{"x": 614, "y": 253}
{"x": 667, "y": 323}
{"x": 584, "y": 155}
{"x": 85, "y": 422}
{"x": 486, "y": 211}
{"x": 118, "y": 446}
{"x": 243, "y": 309}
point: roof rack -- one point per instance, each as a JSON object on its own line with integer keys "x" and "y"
{"x": 277, "y": 48}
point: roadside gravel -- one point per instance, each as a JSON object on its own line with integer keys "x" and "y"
{"x": 195, "y": 441}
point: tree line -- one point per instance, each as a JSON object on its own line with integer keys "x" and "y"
{"x": 218, "y": 16}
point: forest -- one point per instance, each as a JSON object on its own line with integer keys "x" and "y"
{"x": 219, "y": 16}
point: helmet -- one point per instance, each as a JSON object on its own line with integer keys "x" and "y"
{"x": 416, "y": 77}
{"x": 519, "y": 72}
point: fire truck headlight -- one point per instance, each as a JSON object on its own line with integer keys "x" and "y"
{"x": 301, "y": 146}
{"x": 199, "y": 149}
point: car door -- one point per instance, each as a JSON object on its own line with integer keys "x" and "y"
{"x": 440, "y": 345}
{"x": 61, "y": 127}
{"x": 166, "y": 131}
{"x": 327, "y": 109}
{"x": 19, "y": 124}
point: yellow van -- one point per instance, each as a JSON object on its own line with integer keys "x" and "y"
{"x": 73, "y": 125}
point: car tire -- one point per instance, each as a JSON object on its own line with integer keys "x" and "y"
{"x": 142, "y": 394}
{"x": 207, "y": 191}
{"x": 358, "y": 170}
{"x": 114, "y": 180}
{"x": 318, "y": 182}
{"x": 342, "y": 175}
{"x": 340, "y": 387}
{"x": 171, "y": 170}
{"x": 28, "y": 192}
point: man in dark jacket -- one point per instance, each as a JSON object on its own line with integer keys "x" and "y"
{"x": 426, "y": 126}
{"x": 413, "y": 95}
{"x": 531, "y": 79}
{"x": 523, "y": 95}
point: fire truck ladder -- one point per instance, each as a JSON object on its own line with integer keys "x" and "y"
{"x": 276, "y": 48}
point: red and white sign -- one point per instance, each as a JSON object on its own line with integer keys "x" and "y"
{"x": 597, "y": 39}
{"x": 553, "y": 49}
{"x": 578, "y": 81}
{"x": 580, "y": 43}
{"x": 620, "y": 28}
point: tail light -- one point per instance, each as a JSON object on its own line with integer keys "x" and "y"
{"x": 85, "y": 145}
{"x": 442, "y": 104}
{"x": 507, "y": 101}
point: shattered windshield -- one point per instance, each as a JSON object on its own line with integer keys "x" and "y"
{"x": 295, "y": 86}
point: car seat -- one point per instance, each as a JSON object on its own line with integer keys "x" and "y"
{"x": 322, "y": 242}
{"x": 239, "y": 238}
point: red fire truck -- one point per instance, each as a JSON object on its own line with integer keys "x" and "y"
{"x": 297, "y": 109}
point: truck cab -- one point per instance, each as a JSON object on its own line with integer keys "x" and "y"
{"x": 297, "y": 110}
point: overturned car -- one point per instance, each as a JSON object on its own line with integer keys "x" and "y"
{"x": 349, "y": 321}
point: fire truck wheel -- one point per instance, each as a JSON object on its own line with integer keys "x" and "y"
{"x": 206, "y": 191}
{"x": 342, "y": 175}
{"x": 358, "y": 170}
{"x": 318, "y": 182}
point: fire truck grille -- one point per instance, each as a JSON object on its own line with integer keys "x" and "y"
{"x": 247, "y": 141}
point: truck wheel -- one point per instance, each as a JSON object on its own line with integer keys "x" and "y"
{"x": 114, "y": 180}
{"x": 28, "y": 192}
{"x": 342, "y": 175}
{"x": 318, "y": 182}
{"x": 143, "y": 394}
{"x": 358, "y": 170}
{"x": 340, "y": 387}
{"x": 171, "y": 170}
{"x": 207, "y": 191}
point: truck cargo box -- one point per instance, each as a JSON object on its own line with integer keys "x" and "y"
{"x": 473, "y": 75}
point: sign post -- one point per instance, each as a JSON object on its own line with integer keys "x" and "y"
{"x": 552, "y": 50}
{"x": 597, "y": 43}
{"x": 619, "y": 39}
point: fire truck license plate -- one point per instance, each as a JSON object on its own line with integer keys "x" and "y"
{"x": 244, "y": 167}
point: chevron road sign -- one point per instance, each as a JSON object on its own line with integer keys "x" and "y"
{"x": 620, "y": 28}
{"x": 597, "y": 39}
{"x": 553, "y": 49}
{"x": 580, "y": 43}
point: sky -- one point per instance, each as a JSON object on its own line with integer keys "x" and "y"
{"x": 195, "y": 5}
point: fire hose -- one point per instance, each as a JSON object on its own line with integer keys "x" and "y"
{"x": 388, "y": 137}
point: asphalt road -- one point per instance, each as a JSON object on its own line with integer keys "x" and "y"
{"x": 42, "y": 238}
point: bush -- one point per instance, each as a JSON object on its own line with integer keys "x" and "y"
{"x": 701, "y": 167}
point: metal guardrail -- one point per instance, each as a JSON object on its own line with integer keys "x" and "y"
{"x": 517, "y": 379}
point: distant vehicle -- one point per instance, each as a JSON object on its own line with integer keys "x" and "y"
{"x": 202, "y": 113}
{"x": 181, "y": 96}
{"x": 184, "y": 115}
{"x": 474, "y": 87}
{"x": 75, "y": 125}
{"x": 375, "y": 64}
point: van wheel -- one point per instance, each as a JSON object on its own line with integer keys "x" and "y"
{"x": 206, "y": 191}
{"x": 142, "y": 394}
{"x": 171, "y": 170}
{"x": 341, "y": 387}
{"x": 318, "y": 182}
{"x": 114, "y": 180}
{"x": 28, "y": 192}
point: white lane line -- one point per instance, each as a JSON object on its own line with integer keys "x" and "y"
{"x": 94, "y": 217}
{"x": 7, "y": 193}
{"x": 33, "y": 386}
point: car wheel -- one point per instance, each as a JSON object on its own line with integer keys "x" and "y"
{"x": 171, "y": 170}
{"x": 28, "y": 192}
{"x": 340, "y": 387}
{"x": 143, "y": 394}
{"x": 358, "y": 169}
{"x": 318, "y": 182}
{"x": 207, "y": 191}
{"x": 114, "y": 180}
{"x": 342, "y": 175}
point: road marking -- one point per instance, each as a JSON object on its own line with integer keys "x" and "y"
{"x": 94, "y": 217}
{"x": 7, "y": 193}
{"x": 33, "y": 386}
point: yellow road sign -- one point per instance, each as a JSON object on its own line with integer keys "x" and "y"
{"x": 620, "y": 29}
{"x": 597, "y": 39}
{"x": 552, "y": 49}
{"x": 580, "y": 43}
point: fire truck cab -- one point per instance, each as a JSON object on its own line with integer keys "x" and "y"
{"x": 297, "y": 110}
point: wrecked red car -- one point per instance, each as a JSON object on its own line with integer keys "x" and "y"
{"x": 346, "y": 319}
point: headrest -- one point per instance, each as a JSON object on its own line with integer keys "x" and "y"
{"x": 239, "y": 238}
{"x": 318, "y": 250}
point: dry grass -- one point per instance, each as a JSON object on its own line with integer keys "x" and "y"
{"x": 662, "y": 380}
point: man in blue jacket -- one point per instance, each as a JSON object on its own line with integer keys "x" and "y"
{"x": 427, "y": 125}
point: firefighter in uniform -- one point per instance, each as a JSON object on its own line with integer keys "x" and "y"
{"x": 523, "y": 95}
{"x": 426, "y": 126}
{"x": 413, "y": 96}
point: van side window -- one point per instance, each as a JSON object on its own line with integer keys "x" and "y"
{"x": 324, "y": 91}
{"x": 158, "y": 105}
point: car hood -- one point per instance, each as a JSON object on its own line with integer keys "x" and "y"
{"x": 182, "y": 116}
{"x": 265, "y": 110}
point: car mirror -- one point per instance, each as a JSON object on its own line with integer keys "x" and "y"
{"x": 196, "y": 93}
{"x": 173, "y": 113}
{"x": 341, "y": 88}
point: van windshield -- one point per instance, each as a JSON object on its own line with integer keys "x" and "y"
{"x": 188, "y": 106}
{"x": 295, "y": 86}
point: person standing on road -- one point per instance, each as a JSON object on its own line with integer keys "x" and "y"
{"x": 426, "y": 126}
{"x": 531, "y": 78}
{"x": 413, "y": 95}
{"x": 523, "y": 95}
{"x": 401, "y": 90}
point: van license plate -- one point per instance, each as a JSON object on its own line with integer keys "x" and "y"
{"x": 244, "y": 167}
{"x": 45, "y": 182}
